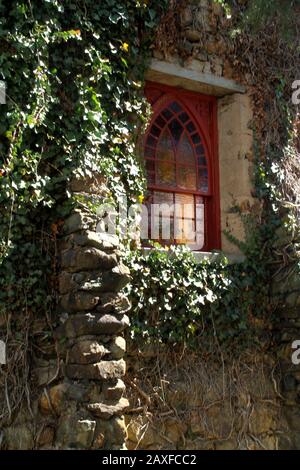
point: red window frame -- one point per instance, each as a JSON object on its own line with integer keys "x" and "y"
{"x": 202, "y": 111}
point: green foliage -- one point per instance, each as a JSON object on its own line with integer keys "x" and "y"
{"x": 73, "y": 73}
{"x": 256, "y": 13}
{"x": 178, "y": 299}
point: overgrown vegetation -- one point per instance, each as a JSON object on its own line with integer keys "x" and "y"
{"x": 73, "y": 72}
{"x": 240, "y": 308}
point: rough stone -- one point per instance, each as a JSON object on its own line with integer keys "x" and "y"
{"x": 230, "y": 444}
{"x": 93, "y": 185}
{"x": 112, "y": 303}
{"x": 75, "y": 431}
{"x": 102, "y": 370}
{"x": 53, "y": 400}
{"x": 112, "y": 432}
{"x": 196, "y": 425}
{"x": 174, "y": 430}
{"x": 292, "y": 414}
{"x": 45, "y": 374}
{"x": 46, "y": 437}
{"x": 118, "y": 347}
{"x": 141, "y": 431}
{"x": 100, "y": 240}
{"x": 193, "y": 35}
{"x": 83, "y": 259}
{"x": 77, "y": 221}
{"x": 262, "y": 419}
{"x": 108, "y": 410}
{"x": 93, "y": 324}
{"x": 95, "y": 282}
{"x": 78, "y": 302}
{"x": 112, "y": 391}
{"x": 87, "y": 352}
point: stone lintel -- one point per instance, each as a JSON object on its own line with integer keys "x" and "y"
{"x": 208, "y": 84}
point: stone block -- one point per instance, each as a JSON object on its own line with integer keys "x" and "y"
{"x": 102, "y": 241}
{"x": 113, "y": 390}
{"x": 263, "y": 419}
{"x": 107, "y": 410}
{"x": 192, "y": 35}
{"x": 78, "y": 302}
{"x": 87, "y": 352}
{"x": 53, "y": 400}
{"x": 94, "y": 324}
{"x": 292, "y": 414}
{"x": 83, "y": 259}
{"x": 111, "y": 302}
{"x": 94, "y": 282}
{"x": 78, "y": 221}
{"x": 75, "y": 431}
{"x": 118, "y": 347}
{"x": 103, "y": 370}
{"x": 111, "y": 433}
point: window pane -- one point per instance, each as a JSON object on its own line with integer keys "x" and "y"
{"x": 155, "y": 131}
{"x": 176, "y": 130}
{"x": 200, "y": 150}
{"x": 166, "y": 174}
{"x": 151, "y": 177}
{"x": 175, "y": 107}
{"x": 151, "y": 141}
{"x": 160, "y": 197}
{"x": 162, "y": 216}
{"x": 160, "y": 121}
{"x": 184, "y": 198}
{"x": 185, "y": 153}
{"x": 196, "y": 139}
{"x": 190, "y": 127}
{"x": 183, "y": 117}
{"x": 203, "y": 180}
{"x": 167, "y": 114}
{"x": 201, "y": 161}
{"x": 165, "y": 149}
{"x": 186, "y": 177}
{"x": 150, "y": 165}
{"x": 149, "y": 152}
{"x": 184, "y": 218}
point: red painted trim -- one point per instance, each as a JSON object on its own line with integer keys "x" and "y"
{"x": 202, "y": 110}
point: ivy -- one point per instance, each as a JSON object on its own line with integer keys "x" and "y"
{"x": 74, "y": 78}
{"x": 178, "y": 299}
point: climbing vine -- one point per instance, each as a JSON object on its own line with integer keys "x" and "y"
{"x": 73, "y": 72}
{"x": 241, "y": 307}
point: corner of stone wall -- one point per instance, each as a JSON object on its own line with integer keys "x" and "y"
{"x": 286, "y": 294}
{"x": 88, "y": 401}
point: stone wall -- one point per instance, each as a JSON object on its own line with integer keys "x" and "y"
{"x": 264, "y": 413}
{"x": 196, "y": 401}
{"x": 78, "y": 388}
{"x": 186, "y": 401}
{"x": 200, "y": 57}
{"x": 286, "y": 294}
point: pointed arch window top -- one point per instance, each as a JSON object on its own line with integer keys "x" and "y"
{"x": 174, "y": 151}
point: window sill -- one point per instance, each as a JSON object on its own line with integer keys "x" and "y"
{"x": 212, "y": 256}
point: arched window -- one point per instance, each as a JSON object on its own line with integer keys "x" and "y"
{"x": 179, "y": 172}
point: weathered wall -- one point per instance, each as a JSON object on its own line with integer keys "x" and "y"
{"x": 175, "y": 402}
{"x": 203, "y": 50}
{"x": 78, "y": 388}
{"x": 192, "y": 404}
{"x": 286, "y": 293}
{"x": 196, "y": 401}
